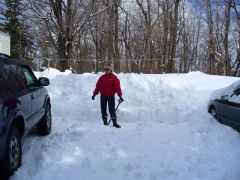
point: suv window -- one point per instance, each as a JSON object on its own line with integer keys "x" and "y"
{"x": 4, "y": 91}
{"x": 12, "y": 83}
{"x": 31, "y": 80}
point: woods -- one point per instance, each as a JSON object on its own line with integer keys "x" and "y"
{"x": 140, "y": 36}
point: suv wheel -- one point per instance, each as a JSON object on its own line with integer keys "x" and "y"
{"x": 45, "y": 125}
{"x": 213, "y": 112}
{"x": 13, "y": 156}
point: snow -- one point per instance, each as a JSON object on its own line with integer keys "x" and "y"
{"x": 166, "y": 132}
{"x": 52, "y": 73}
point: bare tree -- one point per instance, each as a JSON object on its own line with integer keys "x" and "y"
{"x": 173, "y": 36}
{"x": 137, "y": 36}
{"x": 237, "y": 61}
{"x": 64, "y": 21}
{"x": 226, "y": 33}
{"x": 211, "y": 39}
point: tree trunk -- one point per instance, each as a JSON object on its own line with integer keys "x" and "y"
{"x": 211, "y": 44}
{"x": 116, "y": 38}
{"x": 226, "y": 32}
{"x": 58, "y": 10}
{"x": 174, "y": 38}
{"x": 165, "y": 33}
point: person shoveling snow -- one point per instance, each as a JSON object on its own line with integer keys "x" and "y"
{"x": 108, "y": 84}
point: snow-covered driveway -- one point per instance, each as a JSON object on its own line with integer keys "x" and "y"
{"x": 166, "y": 132}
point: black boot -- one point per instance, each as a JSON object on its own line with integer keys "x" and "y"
{"x": 105, "y": 120}
{"x": 115, "y": 124}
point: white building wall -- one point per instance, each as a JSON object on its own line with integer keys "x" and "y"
{"x": 4, "y": 43}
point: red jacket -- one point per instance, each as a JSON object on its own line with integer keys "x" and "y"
{"x": 108, "y": 85}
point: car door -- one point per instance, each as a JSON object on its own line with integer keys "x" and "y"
{"x": 23, "y": 95}
{"x": 234, "y": 112}
{"x": 36, "y": 95}
{"x": 234, "y": 105}
{"x": 230, "y": 112}
{"x": 223, "y": 107}
{"x": 16, "y": 90}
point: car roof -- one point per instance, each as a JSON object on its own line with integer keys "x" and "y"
{"x": 5, "y": 59}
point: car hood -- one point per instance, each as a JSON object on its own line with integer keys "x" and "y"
{"x": 217, "y": 94}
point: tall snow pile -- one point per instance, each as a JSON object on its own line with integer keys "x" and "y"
{"x": 166, "y": 132}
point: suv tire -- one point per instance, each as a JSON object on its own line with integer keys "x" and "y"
{"x": 13, "y": 157}
{"x": 213, "y": 111}
{"x": 45, "y": 125}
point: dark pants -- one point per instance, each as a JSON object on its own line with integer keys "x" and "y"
{"x": 111, "y": 106}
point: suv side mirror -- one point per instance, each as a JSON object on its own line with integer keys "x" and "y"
{"x": 225, "y": 97}
{"x": 43, "y": 81}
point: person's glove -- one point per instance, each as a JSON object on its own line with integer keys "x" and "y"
{"x": 93, "y": 97}
{"x": 120, "y": 99}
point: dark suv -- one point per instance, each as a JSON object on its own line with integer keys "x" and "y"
{"x": 24, "y": 104}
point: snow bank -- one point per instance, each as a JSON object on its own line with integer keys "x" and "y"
{"x": 166, "y": 132}
{"x": 52, "y": 73}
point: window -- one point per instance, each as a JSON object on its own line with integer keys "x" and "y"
{"x": 237, "y": 91}
{"x": 21, "y": 78}
{"x": 1, "y": 47}
{"x": 31, "y": 80}
{"x": 5, "y": 92}
{"x": 235, "y": 96}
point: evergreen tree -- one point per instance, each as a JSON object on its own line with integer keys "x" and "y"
{"x": 11, "y": 13}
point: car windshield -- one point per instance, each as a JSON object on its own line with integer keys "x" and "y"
{"x": 235, "y": 96}
{"x": 230, "y": 93}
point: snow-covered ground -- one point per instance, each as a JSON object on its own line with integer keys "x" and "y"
{"x": 166, "y": 132}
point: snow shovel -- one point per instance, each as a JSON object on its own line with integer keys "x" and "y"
{"x": 119, "y": 102}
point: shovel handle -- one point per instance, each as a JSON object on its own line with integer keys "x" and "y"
{"x": 119, "y": 102}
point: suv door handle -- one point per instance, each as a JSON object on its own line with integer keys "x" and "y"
{"x": 32, "y": 96}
